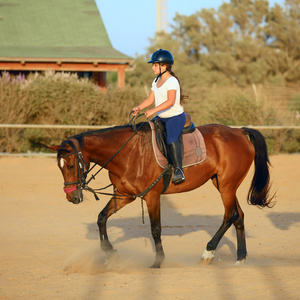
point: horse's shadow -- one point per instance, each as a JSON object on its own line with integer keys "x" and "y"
{"x": 175, "y": 224}
{"x": 283, "y": 221}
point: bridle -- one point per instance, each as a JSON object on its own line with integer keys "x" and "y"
{"x": 82, "y": 170}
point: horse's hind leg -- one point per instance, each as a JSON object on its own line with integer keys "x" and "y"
{"x": 111, "y": 207}
{"x": 240, "y": 233}
{"x": 231, "y": 215}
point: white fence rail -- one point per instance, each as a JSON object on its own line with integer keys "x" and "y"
{"x": 49, "y": 126}
{"x": 95, "y": 127}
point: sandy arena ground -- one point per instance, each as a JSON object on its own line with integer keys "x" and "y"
{"x": 50, "y": 249}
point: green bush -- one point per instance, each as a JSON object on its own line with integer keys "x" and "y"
{"x": 63, "y": 98}
{"x": 57, "y": 98}
{"x": 241, "y": 109}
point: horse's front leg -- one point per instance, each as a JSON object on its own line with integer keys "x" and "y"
{"x": 111, "y": 207}
{"x": 153, "y": 205}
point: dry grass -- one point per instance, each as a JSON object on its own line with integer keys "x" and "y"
{"x": 62, "y": 98}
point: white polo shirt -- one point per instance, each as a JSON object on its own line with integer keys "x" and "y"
{"x": 161, "y": 95}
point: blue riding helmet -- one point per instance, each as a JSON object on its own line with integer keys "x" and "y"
{"x": 162, "y": 56}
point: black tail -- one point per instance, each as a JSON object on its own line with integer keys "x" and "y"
{"x": 259, "y": 193}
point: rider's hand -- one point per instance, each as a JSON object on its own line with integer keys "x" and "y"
{"x": 149, "y": 113}
{"x": 135, "y": 111}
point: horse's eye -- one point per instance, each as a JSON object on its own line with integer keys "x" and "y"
{"x": 72, "y": 167}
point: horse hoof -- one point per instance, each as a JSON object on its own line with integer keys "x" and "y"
{"x": 240, "y": 262}
{"x": 155, "y": 266}
{"x": 207, "y": 257}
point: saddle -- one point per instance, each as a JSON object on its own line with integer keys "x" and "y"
{"x": 161, "y": 136}
{"x": 194, "y": 149}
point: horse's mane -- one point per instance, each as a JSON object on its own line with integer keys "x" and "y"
{"x": 143, "y": 127}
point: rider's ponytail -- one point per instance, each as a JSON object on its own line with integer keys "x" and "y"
{"x": 183, "y": 95}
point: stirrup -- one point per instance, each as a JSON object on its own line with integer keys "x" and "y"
{"x": 179, "y": 177}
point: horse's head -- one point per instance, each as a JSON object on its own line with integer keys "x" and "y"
{"x": 74, "y": 169}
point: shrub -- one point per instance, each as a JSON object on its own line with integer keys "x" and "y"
{"x": 63, "y": 98}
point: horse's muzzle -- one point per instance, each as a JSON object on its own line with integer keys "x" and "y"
{"x": 75, "y": 196}
{"x": 76, "y": 199}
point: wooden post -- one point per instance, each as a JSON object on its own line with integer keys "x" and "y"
{"x": 121, "y": 76}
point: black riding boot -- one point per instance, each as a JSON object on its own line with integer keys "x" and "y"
{"x": 176, "y": 156}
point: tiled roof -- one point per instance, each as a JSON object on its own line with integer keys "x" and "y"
{"x": 43, "y": 29}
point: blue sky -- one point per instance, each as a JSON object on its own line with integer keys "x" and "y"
{"x": 130, "y": 23}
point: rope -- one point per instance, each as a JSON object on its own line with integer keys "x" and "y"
{"x": 115, "y": 200}
{"x": 143, "y": 214}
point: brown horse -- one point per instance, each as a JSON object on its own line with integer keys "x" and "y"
{"x": 132, "y": 167}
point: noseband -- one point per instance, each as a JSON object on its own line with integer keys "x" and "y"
{"x": 82, "y": 171}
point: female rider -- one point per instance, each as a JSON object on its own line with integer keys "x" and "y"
{"x": 168, "y": 98}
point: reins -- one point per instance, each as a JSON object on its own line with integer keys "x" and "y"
{"x": 140, "y": 195}
{"x": 135, "y": 131}
{"x": 82, "y": 174}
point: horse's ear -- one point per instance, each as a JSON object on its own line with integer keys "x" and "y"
{"x": 53, "y": 148}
